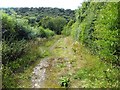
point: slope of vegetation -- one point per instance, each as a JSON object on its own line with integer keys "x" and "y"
{"x": 97, "y": 28}
{"x": 19, "y": 46}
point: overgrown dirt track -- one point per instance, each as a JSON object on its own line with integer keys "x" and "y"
{"x": 67, "y": 63}
{"x": 63, "y": 62}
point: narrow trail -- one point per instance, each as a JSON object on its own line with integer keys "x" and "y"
{"x": 39, "y": 73}
{"x": 62, "y": 62}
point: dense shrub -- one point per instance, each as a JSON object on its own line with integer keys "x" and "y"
{"x": 49, "y": 33}
{"x": 75, "y": 31}
{"x": 44, "y": 33}
{"x": 18, "y": 63}
{"x": 54, "y": 24}
{"x": 7, "y": 78}
{"x": 19, "y": 47}
{"x": 67, "y": 28}
{"x": 15, "y": 33}
{"x": 18, "y": 28}
{"x": 12, "y": 51}
{"x": 106, "y": 33}
{"x": 97, "y": 27}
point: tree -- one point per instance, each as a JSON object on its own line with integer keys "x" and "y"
{"x": 54, "y": 24}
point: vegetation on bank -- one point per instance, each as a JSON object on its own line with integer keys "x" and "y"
{"x": 20, "y": 47}
{"x": 97, "y": 27}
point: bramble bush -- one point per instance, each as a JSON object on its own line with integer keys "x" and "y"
{"x": 97, "y": 27}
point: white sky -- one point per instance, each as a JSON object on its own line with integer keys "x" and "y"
{"x": 66, "y": 4}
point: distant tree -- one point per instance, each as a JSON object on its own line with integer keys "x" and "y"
{"x": 54, "y": 24}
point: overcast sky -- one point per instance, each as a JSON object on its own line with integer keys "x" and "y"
{"x": 66, "y": 4}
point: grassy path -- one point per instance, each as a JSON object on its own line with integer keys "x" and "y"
{"x": 66, "y": 61}
{"x": 61, "y": 64}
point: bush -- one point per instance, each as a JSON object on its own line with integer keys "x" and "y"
{"x": 41, "y": 32}
{"x": 49, "y": 33}
{"x": 99, "y": 29}
{"x": 54, "y": 24}
{"x": 18, "y": 48}
{"x": 67, "y": 29}
{"x": 14, "y": 63}
{"x": 8, "y": 80}
{"x": 106, "y": 33}
{"x": 12, "y": 51}
{"x": 18, "y": 28}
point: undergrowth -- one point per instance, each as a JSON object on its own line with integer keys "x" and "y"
{"x": 32, "y": 53}
{"x": 96, "y": 73}
{"x": 99, "y": 76}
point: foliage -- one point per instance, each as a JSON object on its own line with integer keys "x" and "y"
{"x": 42, "y": 12}
{"x": 106, "y": 33}
{"x": 54, "y": 24}
{"x": 17, "y": 64}
{"x": 41, "y": 32}
{"x": 100, "y": 76}
{"x": 11, "y": 51}
{"x": 94, "y": 73}
{"x": 15, "y": 27}
{"x": 97, "y": 27}
{"x": 49, "y": 33}
{"x": 64, "y": 81}
{"x": 66, "y": 30}
{"x": 7, "y": 78}
{"x": 19, "y": 47}
{"x": 75, "y": 31}
{"x": 20, "y": 29}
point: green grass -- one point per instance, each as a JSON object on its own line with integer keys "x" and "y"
{"x": 96, "y": 73}
{"x": 86, "y": 71}
{"x": 42, "y": 48}
{"x": 15, "y": 67}
{"x": 98, "y": 77}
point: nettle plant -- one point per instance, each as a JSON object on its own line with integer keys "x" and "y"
{"x": 64, "y": 81}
